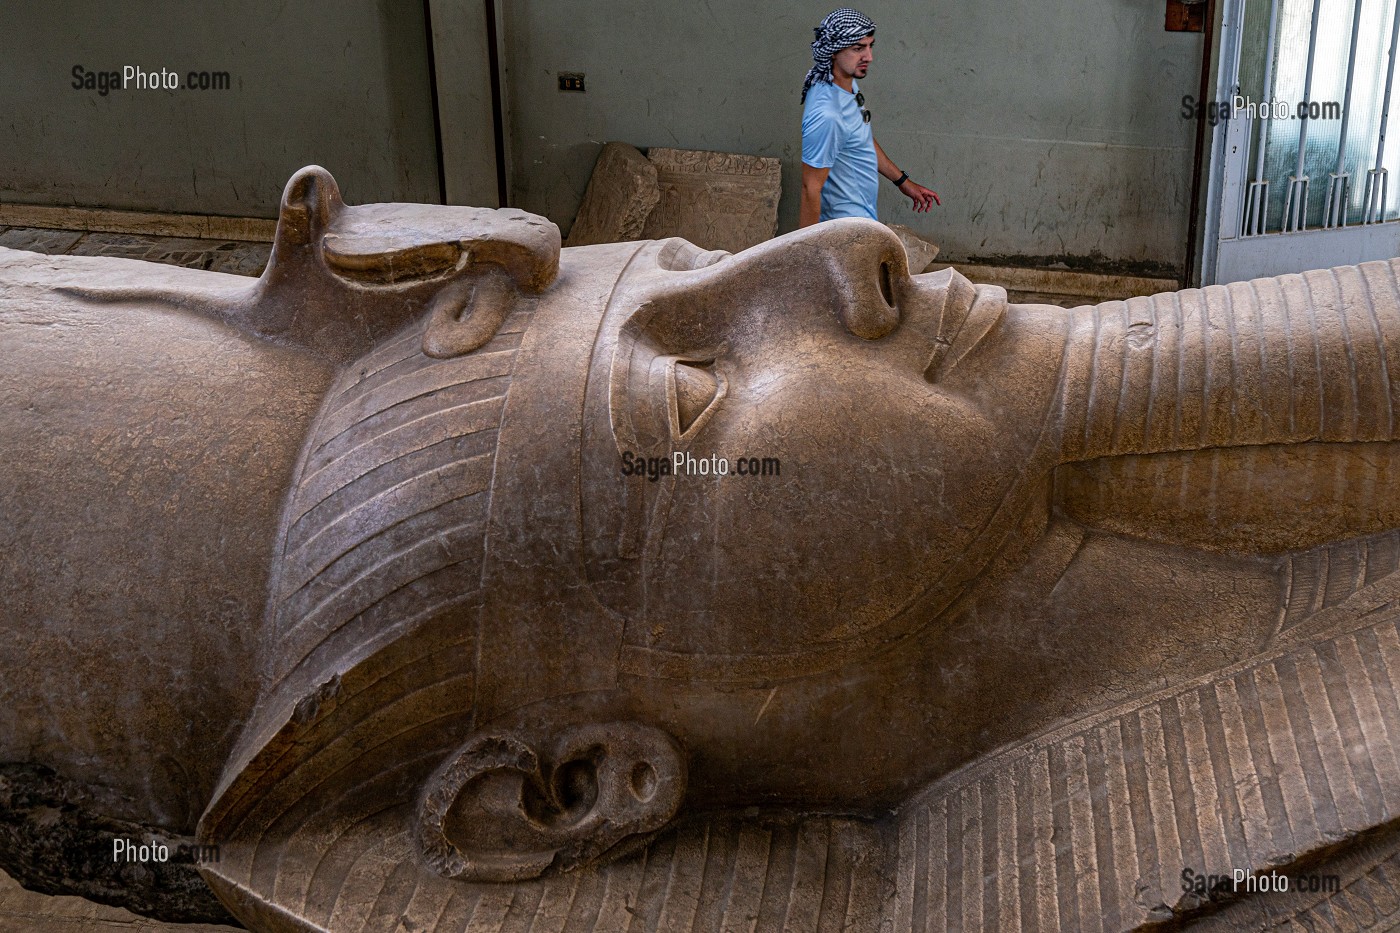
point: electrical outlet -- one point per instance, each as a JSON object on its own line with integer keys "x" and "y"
{"x": 571, "y": 80}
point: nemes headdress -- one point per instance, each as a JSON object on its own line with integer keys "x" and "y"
{"x": 841, "y": 29}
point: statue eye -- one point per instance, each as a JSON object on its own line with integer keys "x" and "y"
{"x": 693, "y": 390}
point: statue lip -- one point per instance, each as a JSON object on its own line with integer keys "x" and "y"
{"x": 965, "y": 315}
{"x": 957, "y": 339}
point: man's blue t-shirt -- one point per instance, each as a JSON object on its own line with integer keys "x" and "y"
{"x": 836, "y": 136}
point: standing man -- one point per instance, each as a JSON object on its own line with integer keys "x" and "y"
{"x": 840, "y": 157}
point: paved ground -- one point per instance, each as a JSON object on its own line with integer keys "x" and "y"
{"x": 240, "y": 258}
{"x": 1045, "y": 298}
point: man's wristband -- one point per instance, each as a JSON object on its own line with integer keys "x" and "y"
{"x": 901, "y": 179}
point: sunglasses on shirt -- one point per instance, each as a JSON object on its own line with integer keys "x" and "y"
{"x": 860, "y": 102}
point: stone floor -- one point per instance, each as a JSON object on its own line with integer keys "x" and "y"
{"x": 1062, "y": 287}
{"x": 24, "y": 911}
{"x": 237, "y": 257}
{"x": 1044, "y": 298}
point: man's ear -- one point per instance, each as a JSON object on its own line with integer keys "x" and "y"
{"x": 508, "y": 806}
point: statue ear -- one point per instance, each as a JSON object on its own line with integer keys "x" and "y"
{"x": 309, "y": 203}
{"x": 502, "y": 808}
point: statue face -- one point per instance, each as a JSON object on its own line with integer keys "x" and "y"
{"x": 895, "y": 416}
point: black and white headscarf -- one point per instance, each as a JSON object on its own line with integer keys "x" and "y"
{"x": 841, "y": 29}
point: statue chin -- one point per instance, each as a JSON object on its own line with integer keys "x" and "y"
{"x": 446, "y": 579}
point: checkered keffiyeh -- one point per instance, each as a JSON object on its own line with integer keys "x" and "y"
{"x": 841, "y": 29}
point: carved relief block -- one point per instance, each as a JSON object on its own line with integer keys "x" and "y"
{"x": 716, "y": 200}
{"x": 622, "y": 192}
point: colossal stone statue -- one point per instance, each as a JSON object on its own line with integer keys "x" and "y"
{"x": 443, "y": 580}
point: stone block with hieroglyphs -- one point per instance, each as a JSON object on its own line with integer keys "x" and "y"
{"x": 716, "y": 200}
{"x": 621, "y": 193}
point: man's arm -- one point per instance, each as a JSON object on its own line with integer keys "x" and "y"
{"x": 812, "y": 180}
{"x": 922, "y": 197}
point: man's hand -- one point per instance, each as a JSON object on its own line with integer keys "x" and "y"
{"x": 923, "y": 198}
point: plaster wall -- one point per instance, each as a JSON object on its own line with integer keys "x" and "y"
{"x": 1052, "y": 131}
{"x": 344, "y": 86}
{"x": 465, "y": 108}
